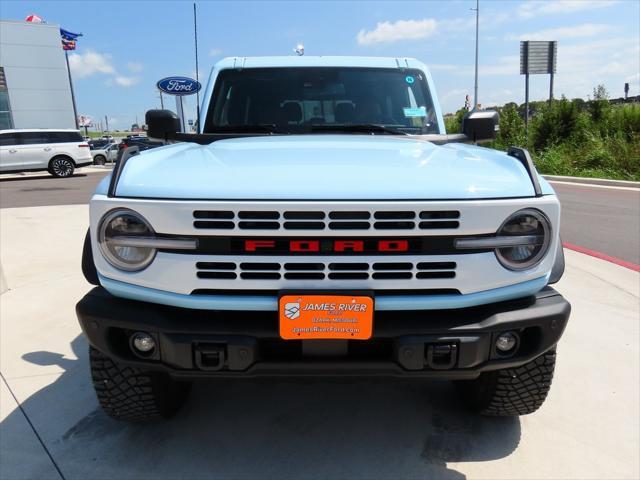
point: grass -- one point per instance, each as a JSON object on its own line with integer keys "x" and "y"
{"x": 573, "y": 138}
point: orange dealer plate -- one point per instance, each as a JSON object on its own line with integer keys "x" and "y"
{"x": 305, "y": 317}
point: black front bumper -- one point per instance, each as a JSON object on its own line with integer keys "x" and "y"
{"x": 434, "y": 343}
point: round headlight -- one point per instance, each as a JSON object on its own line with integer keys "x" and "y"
{"x": 525, "y": 223}
{"x": 112, "y": 232}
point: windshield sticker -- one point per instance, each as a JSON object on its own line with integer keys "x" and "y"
{"x": 415, "y": 112}
{"x": 409, "y": 79}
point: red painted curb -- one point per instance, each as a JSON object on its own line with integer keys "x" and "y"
{"x": 602, "y": 256}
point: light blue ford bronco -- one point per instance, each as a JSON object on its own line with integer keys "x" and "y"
{"x": 322, "y": 223}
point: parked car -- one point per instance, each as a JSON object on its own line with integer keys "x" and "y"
{"x": 107, "y": 137}
{"x": 98, "y": 143}
{"x": 143, "y": 143}
{"x": 323, "y": 223}
{"x": 59, "y": 152}
{"x": 108, "y": 153}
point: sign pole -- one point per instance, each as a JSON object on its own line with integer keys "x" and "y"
{"x": 73, "y": 96}
{"x": 550, "y": 88}
{"x": 526, "y": 106}
{"x": 195, "y": 36}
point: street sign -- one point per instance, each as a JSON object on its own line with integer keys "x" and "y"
{"x": 538, "y": 57}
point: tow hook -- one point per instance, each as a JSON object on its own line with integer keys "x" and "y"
{"x": 442, "y": 356}
{"x": 210, "y": 356}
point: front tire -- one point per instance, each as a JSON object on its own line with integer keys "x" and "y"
{"x": 61, "y": 167}
{"x": 132, "y": 394}
{"x": 511, "y": 391}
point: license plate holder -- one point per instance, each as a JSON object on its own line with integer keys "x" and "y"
{"x": 320, "y": 316}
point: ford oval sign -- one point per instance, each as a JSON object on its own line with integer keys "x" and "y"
{"x": 179, "y": 86}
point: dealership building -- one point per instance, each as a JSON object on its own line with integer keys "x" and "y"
{"x": 35, "y": 91}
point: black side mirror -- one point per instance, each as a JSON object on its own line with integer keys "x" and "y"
{"x": 162, "y": 124}
{"x": 481, "y": 125}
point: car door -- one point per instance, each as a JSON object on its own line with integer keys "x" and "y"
{"x": 10, "y": 153}
{"x": 35, "y": 150}
{"x": 112, "y": 152}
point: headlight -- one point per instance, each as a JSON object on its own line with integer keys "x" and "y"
{"x": 114, "y": 228}
{"x": 531, "y": 232}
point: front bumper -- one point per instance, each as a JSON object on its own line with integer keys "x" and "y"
{"x": 456, "y": 344}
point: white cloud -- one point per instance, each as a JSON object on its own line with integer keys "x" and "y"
{"x": 135, "y": 67}
{"x": 534, "y": 8}
{"x": 125, "y": 81}
{"x": 578, "y": 31}
{"x": 214, "y": 52}
{"x": 89, "y": 63}
{"x": 389, "y": 32}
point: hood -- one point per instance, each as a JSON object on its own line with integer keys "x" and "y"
{"x": 323, "y": 167}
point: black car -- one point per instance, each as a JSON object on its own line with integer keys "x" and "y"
{"x": 143, "y": 143}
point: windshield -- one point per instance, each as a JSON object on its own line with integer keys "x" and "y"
{"x": 320, "y": 100}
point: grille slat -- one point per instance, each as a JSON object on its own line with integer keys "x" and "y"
{"x": 304, "y": 225}
{"x": 423, "y": 275}
{"x": 218, "y": 275}
{"x": 260, "y": 276}
{"x": 259, "y": 266}
{"x": 216, "y": 265}
{"x": 303, "y": 266}
{"x": 304, "y": 276}
{"x": 337, "y": 270}
{"x": 340, "y": 220}
{"x": 348, "y": 276}
{"x": 392, "y": 275}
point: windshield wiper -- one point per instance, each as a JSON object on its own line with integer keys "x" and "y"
{"x": 357, "y": 128}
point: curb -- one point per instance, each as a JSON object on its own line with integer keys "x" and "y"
{"x": 602, "y": 256}
{"x": 593, "y": 181}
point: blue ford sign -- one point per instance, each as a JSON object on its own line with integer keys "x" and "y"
{"x": 179, "y": 85}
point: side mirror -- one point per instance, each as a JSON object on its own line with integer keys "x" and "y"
{"x": 162, "y": 124}
{"x": 481, "y": 125}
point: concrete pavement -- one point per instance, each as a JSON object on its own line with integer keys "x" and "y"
{"x": 588, "y": 428}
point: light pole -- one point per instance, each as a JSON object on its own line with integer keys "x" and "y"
{"x": 475, "y": 87}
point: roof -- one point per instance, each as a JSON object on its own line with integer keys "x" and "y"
{"x": 319, "y": 61}
{"x": 21, "y": 130}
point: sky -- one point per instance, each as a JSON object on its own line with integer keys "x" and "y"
{"x": 127, "y": 46}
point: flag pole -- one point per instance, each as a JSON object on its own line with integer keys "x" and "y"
{"x": 73, "y": 96}
{"x": 195, "y": 36}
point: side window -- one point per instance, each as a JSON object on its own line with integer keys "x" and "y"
{"x": 65, "y": 137}
{"x": 33, "y": 138}
{"x": 7, "y": 139}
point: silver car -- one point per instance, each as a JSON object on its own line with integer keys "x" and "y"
{"x": 106, "y": 154}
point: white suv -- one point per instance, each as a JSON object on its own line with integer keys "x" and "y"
{"x": 59, "y": 152}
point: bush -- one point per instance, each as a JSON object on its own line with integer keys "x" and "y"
{"x": 560, "y": 122}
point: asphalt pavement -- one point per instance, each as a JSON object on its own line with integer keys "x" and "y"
{"x": 601, "y": 218}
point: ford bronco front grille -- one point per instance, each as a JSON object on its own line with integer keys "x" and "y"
{"x": 356, "y": 270}
{"x": 320, "y": 220}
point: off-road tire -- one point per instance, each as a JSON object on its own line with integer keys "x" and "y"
{"x": 512, "y": 391}
{"x": 135, "y": 395}
{"x": 61, "y": 167}
{"x": 99, "y": 160}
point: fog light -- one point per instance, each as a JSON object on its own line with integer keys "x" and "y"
{"x": 506, "y": 342}
{"x": 143, "y": 342}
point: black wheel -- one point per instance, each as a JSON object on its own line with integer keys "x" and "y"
{"x": 61, "y": 167}
{"x": 99, "y": 160}
{"x": 512, "y": 391}
{"x": 132, "y": 394}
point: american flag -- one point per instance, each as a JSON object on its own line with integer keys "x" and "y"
{"x": 69, "y": 39}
